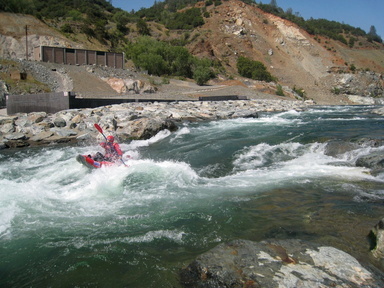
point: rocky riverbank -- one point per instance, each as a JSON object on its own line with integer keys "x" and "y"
{"x": 126, "y": 121}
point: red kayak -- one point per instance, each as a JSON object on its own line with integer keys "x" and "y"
{"x": 90, "y": 163}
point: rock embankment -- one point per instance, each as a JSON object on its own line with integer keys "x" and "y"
{"x": 126, "y": 121}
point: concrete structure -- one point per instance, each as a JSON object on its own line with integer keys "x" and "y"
{"x": 45, "y": 102}
{"x": 55, "y": 102}
{"x": 70, "y": 56}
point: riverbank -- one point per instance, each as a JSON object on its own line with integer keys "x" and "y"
{"x": 127, "y": 121}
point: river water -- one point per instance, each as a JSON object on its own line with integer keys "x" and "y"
{"x": 62, "y": 225}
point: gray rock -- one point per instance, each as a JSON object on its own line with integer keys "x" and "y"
{"x": 41, "y": 136}
{"x": 7, "y": 119}
{"x": 336, "y": 147}
{"x": 145, "y": 128}
{"x": 2, "y": 145}
{"x": 15, "y": 136}
{"x": 37, "y": 117}
{"x": 59, "y": 122}
{"x": 379, "y": 111}
{"x": 64, "y": 132}
{"x": 276, "y": 263}
{"x": 373, "y": 161}
{"x": 378, "y": 235}
{"x": 7, "y": 128}
{"x": 23, "y": 122}
{"x": 245, "y": 114}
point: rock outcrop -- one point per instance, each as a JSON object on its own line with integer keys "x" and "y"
{"x": 365, "y": 88}
{"x": 277, "y": 263}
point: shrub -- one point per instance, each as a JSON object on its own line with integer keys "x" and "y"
{"x": 142, "y": 27}
{"x": 336, "y": 90}
{"x": 279, "y": 90}
{"x": 66, "y": 28}
{"x": 300, "y": 92}
{"x": 202, "y": 75}
{"x": 253, "y": 69}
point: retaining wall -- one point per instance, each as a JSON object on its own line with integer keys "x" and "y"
{"x": 45, "y": 102}
{"x": 55, "y": 102}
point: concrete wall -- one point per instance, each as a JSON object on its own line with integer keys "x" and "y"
{"x": 222, "y": 98}
{"x": 55, "y": 102}
{"x": 61, "y": 55}
{"x": 46, "y": 102}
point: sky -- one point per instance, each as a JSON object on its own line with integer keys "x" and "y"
{"x": 357, "y": 13}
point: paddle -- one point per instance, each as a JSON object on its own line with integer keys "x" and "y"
{"x": 97, "y": 126}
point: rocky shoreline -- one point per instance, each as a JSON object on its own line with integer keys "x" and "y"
{"x": 126, "y": 121}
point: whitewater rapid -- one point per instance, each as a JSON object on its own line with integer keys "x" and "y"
{"x": 182, "y": 192}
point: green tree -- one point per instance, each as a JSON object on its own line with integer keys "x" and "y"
{"x": 273, "y": 3}
{"x": 153, "y": 63}
{"x": 142, "y": 27}
{"x": 202, "y": 71}
{"x": 372, "y": 35}
{"x": 122, "y": 19}
{"x": 202, "y": 75}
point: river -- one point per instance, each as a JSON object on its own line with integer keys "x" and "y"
{"x": 62, "y": 225}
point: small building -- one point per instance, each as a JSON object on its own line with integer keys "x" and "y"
{"x": 71, "y": 56}
{"x": 18, "y": 75}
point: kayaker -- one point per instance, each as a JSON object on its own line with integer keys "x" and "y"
{"x": 112, "y": 149}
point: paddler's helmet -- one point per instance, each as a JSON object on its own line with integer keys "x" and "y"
{"x": 110, "y": 138}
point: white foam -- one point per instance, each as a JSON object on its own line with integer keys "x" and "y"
{"x": 7, "y": 213}
{"x": 143, "y": 143}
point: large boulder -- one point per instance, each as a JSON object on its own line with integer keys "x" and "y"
{"x": 377, "y": 234}
{"x": 145, "y": 128}
{"x": 338, "y": 147}
{"x": 373, "y": 161}
{"x": 277, "y": 263}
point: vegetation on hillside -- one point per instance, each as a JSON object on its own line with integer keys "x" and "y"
{"x": 160, "y": 58}
{"x": 112, "y": 26}
{"x": 96, "y": 15}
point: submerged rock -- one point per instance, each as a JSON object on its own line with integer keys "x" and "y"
{"x": 277, "y": 263}
{"x": 338, "y": 147}
{"x": 373, "y": 161}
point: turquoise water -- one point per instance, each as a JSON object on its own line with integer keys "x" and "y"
{"x": 62, "y": 225}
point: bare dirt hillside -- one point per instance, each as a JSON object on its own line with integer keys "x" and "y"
{"x": 291, "y": 54}
{"x": 233, "y": 29}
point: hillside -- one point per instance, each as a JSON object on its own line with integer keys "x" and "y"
{"x": 297, "y": 59}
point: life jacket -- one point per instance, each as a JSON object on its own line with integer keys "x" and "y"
{"x": 112, "y": 150}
